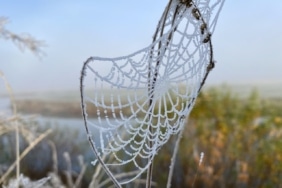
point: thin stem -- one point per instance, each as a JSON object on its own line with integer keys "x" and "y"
{"x": 175, "y": 151}
{"x": 24, "y": 153}
{"x": 17, "y": 153}
{"x": 151, "y": 84}
{"x": 208, "y": 69}
{"x": 208, "y": 40}
{"x": 14, "y": 107}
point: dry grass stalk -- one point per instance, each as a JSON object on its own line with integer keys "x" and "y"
{"x": 35, "y": 46}
{"x": 22, "y": 41}
{"x": 24, "y": 153}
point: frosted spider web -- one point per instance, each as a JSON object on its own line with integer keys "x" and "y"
{"x": 133, "y": 104}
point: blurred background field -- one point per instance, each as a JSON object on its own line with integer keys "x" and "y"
{"x": 238, "y": 129}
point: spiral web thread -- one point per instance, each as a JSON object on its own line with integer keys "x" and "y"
{"x": 133, "y": 104}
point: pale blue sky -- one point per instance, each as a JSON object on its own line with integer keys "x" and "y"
{"x": 247, "y": 40}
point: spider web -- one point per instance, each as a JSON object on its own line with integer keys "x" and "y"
{"x": 133, "y": 104}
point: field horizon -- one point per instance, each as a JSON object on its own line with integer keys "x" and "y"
{"x": 266, "y": 90}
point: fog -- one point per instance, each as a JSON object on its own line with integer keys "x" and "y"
{"x": 247, "y": 40}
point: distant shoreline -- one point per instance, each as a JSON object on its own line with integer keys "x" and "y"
{"x": 266, "y": 90}
{"x": 65, "y": 109}
{"x": 66, "y": 104}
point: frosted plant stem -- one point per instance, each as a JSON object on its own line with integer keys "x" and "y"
{"x": 175, "y": 151}
{"x": 152, "y": 82}
{"x": 13, "y": 103}
{"x": 17, "y": 153}
{"x": 209, "y": 68}
{"x": 69, "y": 170}
{"x": 54, "y": 157}
{"x": 149, "y": 173}
{"x": 200, "y": 162}
{"x": 24, "y": 153}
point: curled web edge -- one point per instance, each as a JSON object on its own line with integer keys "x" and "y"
{"x": 89, "y": 135}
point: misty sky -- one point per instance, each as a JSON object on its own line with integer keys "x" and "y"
{"x": 247, "y": 40}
